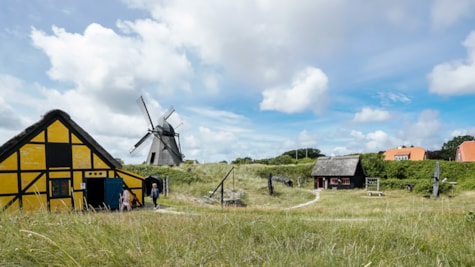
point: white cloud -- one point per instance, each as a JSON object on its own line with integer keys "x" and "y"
{"x": 307, "y": 139}
{"x": 211, "y": 82}
{"x": 103, "y": 63}
{"x": 462, "y": 132}
{"x": 457, "y": 77}
{"x": 220, "y": 117}
{"x": 212, "y": 135}
{"x": 368, "y": 114}
{"x": 427, "y": 124}
{"x": 254, "y": 41}
{"x": 357, "y": 135}
{"x": 373, "y": 141}
{"x": 214, "y": 142}
{"x": 9, "y": 85}
{"x": 377, "y": 140}
{"x": 446, "y": 13}
{"x": 399, "y": 97}
{"x": 10, "y": 96}
{"x": 340, "y": 151}
{"x": 426, "y": 131}
{"x": 306, "y": 92}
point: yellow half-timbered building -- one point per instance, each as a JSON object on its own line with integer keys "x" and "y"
{"x": 56, "y": 165}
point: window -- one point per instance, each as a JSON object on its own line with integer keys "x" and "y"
{"x": 334, "y": 181}
{"x": 401, "y": 157}
{"x": 60, "y": 188}
{"x": 345, "y": 181}
{"x": 340, "y": 181}
{"x": 58, "y": 155}
{"x": 152, "y": 158}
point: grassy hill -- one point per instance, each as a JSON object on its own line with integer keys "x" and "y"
{"x": 196, "y": 182}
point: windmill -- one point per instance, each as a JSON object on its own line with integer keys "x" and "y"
{"x": 165, "y": 149}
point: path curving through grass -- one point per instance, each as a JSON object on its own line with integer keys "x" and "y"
{"x": 317, "y": 197}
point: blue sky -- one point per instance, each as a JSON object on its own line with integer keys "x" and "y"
{"x": 246, "y": 78}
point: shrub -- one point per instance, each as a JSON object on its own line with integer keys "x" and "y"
{"x": 178, "y": 175}
{"x": 470, "y": 216}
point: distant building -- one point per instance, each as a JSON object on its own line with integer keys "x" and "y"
{"x": 466, "y": 152}
{"x": 342, "y": 172}
{"x": 405, "y": 153}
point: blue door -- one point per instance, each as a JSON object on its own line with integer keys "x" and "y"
{"x": 112, "y": 191}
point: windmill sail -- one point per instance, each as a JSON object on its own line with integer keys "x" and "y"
{"x": 140, "y": 142}
{"x": 143, "y": 107}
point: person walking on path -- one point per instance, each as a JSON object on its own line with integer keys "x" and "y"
{"x": 155, "y": 195}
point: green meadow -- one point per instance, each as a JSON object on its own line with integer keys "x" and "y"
{"x": 335, "y": 228}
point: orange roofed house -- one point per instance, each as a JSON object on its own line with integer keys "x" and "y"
{"x": 466, "y": 152}
{"x": 405, "y": 153}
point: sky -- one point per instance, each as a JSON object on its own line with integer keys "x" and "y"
{"x": 246, "y": 78}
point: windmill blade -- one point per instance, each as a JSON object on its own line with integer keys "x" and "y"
{"x": 164, "y": 117}
{"x": 143, "y": 139}
{"x": 143, "y": 107}
{"x": 178, "y": 126}
{"x": 179, "y": 144}
{"x": 169, "y": 112}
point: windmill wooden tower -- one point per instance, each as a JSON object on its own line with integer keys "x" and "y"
{"x": 165, "y": 148}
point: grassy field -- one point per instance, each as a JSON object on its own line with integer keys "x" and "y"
{"x": 342, "y": 228}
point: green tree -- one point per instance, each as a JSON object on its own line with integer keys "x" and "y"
{"x": 282, "y": 159}
{"x": 312, "y": 153}
{"x": 398, "y": 169}
{"x": 373, "y": 164}
{"x": 449, "y": 148}
{"x": 246, "y": 160}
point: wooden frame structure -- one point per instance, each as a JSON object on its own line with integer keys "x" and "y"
{"x": 55, "y": 165}
{"x": 372, "y": 186}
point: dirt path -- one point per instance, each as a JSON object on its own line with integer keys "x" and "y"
{"x": 317, "y": 197}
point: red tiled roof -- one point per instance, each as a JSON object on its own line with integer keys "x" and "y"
{"x": 466, "y": 151}
{"x": 413, "y": 153}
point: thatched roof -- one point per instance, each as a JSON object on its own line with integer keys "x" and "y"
{"x": 336, "y": 166}
{"x": 26, "y": 135}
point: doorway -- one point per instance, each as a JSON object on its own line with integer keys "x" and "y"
{"x": 103, "y": 192}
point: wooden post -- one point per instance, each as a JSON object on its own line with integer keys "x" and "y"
{"x": 166, "y": 186}
{"x": 222, "y": 194}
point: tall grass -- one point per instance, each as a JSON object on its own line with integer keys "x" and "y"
{"x": 344, "y": 228}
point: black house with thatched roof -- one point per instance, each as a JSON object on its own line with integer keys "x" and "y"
{"x": 342, "y": 172}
